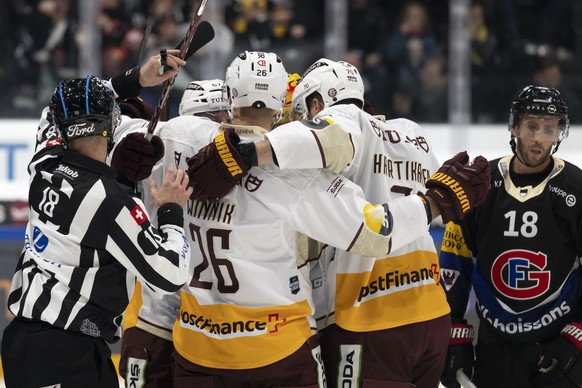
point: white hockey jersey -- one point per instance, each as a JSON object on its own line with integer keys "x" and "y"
{"x": 147, "y": 310}
{"x": 247, "y": 304}
{"x": 391, "y": 160}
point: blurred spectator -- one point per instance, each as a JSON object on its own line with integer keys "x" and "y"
{"x": 112, "y": 22}
{"x": 548, "y": 73}
{"x": 306, "y": 23}
{"x": 399, "y": 50}
{"x": 212, "y": 60}
{"x": 483, "y": 41}
{"x": 365, "y": 13}
{"x": 251, "y": 24}
{"x": 8, "y": 37}
{"x": 485, "y": 90}
{"x": 430, "y": 105}
{"x": 439, "y": 16}
{"x": 160, "y": 9}
{"x": 168, "y": 30}
{"x": 291, "y": 28}
{"x": 302, "y": 42}
{"x": 46, "y": 52}
{"x": 122, "y": 30}
{"x": 411, "y": 44}
{"x": 536, "y": 27}
{"x": 401, "y": 104}
{"x": 407, "y": 51}
{"x": 365, "y": 45}
{"x": 281, "y": 15}
{"x": 116, "y": 59}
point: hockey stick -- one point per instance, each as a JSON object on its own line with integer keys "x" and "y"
{"x": 144, "y": 42}
{"x": 464, "y": 380}
{"x": 184, "y": 49}
{"x": 204, "y": 34}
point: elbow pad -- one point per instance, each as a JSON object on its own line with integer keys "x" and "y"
{"x": 336, "y": 146}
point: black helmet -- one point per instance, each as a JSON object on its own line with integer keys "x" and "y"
{"x": 84, "y": 107}
{"x": 539, "y": 100}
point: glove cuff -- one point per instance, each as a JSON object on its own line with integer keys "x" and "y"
{"x": 426, "y": 207}
{"x": 573, "y": 331}
{"x": 248, "y": 153}
{"x": 159, "y": 148}
{"x": 461, "y": 333}
{"x": 127, "y": 84}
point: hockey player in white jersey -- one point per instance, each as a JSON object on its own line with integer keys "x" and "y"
{"x": 374, "y": 301}
{"x": 146, "y": 346}
{"x": 388, "y": 302}
{"x": 246, "y": 316}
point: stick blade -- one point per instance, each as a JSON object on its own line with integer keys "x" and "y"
{"x": 204, "y": 34}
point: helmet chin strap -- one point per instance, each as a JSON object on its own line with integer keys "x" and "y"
{"x": 513, "y": 145}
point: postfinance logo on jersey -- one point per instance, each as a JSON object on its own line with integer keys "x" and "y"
{"x": 420, "y": 270}
{"x": 224, "y": 329}
{"x": 225, "y": 321}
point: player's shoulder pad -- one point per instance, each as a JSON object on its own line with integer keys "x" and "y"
{"x": 404, "y": 124}
{"x": 317, "y": 124}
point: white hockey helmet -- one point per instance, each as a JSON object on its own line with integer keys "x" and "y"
{"x": 256, "y": 79}
{"x": 202, "y": 97}
{"x": 334, "y": 81}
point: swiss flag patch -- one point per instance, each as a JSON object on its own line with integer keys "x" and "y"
{"x": 139, "y": 215}
{"x": 54, "y": 142}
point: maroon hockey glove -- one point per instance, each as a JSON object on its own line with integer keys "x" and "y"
{"x": 135, "y": 156}
{"x": 136, "y": 108}
{"x": 460, "y": 355}
{"x": 216, "y": 168}
{"x": 560, "y": 364}
{"x": 458, "y": 186}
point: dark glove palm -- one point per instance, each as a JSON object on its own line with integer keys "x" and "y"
{"x": 460, "y": 355}
{"x": 458, "y": 187}
{"x": 135, "y": 156}
{"x": 216, "y": 168}
{"x": 560, "y": 364}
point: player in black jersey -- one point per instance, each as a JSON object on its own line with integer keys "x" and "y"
{"x": 520, "y": 252}
{"x": 85, "y": 242}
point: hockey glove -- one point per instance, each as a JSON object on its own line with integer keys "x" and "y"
{"x": 458, "y": 186}
{"x": 135, "y": 156}
{"x": 136, "y": 108}
{"x": 560, "y": 364}
{"x": 460, "y": 355}
{"x": 216, "y": 168}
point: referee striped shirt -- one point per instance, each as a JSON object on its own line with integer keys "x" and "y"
{"x": 85, "y": 242}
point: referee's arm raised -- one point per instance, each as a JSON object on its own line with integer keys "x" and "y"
{"x": 157, "y": 256}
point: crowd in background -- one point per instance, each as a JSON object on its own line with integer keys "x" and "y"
{"x": 400, "y": 47}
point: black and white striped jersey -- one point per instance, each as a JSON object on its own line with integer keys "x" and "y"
{"x": 85, "y": 242}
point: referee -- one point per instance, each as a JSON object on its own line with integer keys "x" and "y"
{"x": 85, "y": 242}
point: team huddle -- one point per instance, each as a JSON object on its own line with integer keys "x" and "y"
{"x": 276, "y": 234}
